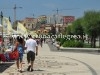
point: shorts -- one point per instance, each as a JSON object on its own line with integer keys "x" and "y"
{"x": 20, "y": 57}
{"x": 30, "y": 56}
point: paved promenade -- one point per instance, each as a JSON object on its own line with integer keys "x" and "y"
{"x": 59, "y": 63}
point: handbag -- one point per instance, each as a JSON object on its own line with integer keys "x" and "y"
{"x": 14, "y": 55}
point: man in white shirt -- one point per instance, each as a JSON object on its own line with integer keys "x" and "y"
{"x": 32, "y": 49}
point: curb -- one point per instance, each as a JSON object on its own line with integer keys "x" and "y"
{"x": 80, "y": 49}
{"x": 77, "y": 49}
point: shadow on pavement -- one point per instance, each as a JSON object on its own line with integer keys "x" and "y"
{"x": 4, "y": 66}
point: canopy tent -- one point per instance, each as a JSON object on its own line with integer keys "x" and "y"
{"x": 4, "y": 33}
{"x": 7, "y": 27}
{"x": 14, "y": 32}
{"x": 21, "y": 29}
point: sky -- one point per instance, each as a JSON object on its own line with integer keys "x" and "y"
{"x": 35, "y": 8}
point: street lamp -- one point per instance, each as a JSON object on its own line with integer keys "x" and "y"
{"x": 54, "y": 16}
{"x": 1, "y": 15}
{"x": 15, "y": 7}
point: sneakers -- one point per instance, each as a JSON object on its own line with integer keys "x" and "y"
{"x": 31, "y": 69}
{"x": 19, "y": 70}
{"x": 28, "y": 69}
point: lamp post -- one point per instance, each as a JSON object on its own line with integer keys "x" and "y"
{"x": 15, "y": 7}
{"x": 54, "y": 16}
{"x": 2, "y": 27}
{"x": 15, "y": 23}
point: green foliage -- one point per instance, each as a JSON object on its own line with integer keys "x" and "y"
{"x": 87, "y": 45}
{"x": 91, "y": 23}
{"x": 43, "y": 22}
{"x": 66, "y": 44}
{"x": 79, "y": 44}
{"x": 58, "y": 39}
{"x": 62, "y": 40}
{"x": 73, "y": 43}
{"x": 77, "y": 28}
{"x": 68, "y": 30}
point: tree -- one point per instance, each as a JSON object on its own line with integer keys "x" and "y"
{"x": 91, "y": 25}
{"x": 77, "y": 28}
{"x": 68, "y": 30}
{"x": 43, "y": 21}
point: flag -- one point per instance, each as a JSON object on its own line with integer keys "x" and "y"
{"x": 7, "y": 27}
{"x": 21, "y": 29}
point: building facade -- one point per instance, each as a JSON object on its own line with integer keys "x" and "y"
{"x": 68, "y": 19}
{"x": 29, "y": 23}
{"x": 54, "y": 19}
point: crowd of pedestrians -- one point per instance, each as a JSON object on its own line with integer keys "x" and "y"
{"x": 27, "y": 45}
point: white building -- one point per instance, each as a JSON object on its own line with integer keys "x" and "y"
{"x": 55, "y": 19}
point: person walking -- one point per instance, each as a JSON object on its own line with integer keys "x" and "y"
{"x": 44, "y": 40}
{"x": 19, "y": 45}
{"x": 41, "y": 42}
{"x": 32, "y": 50}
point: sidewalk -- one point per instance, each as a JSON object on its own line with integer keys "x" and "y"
{"x": 51, "y": 63}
